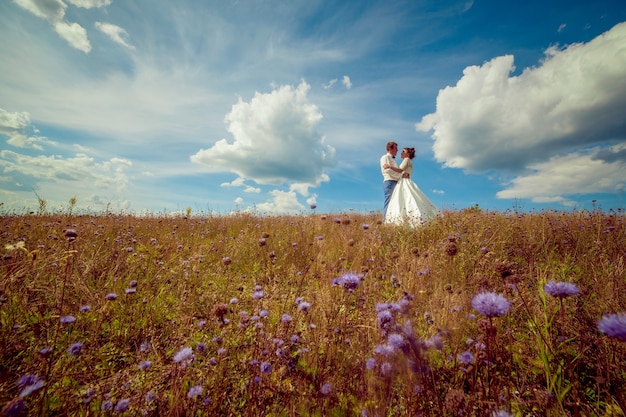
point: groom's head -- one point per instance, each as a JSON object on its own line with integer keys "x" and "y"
{"x": 392, "y": 148}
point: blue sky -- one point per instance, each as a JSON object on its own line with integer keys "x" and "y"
{"x": 156, "y": 106}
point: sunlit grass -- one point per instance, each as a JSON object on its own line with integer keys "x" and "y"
{"x": 474, "y": 313}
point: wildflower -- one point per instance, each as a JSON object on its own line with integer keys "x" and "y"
{"x": 295, "y": 339}
{"x": 264, "y": 313}
{"x": 226, "y": 261}
{"x": 326, "y": 389}
{"x": 122, "y": 406}
{"x": 130, "y": 290}
{"x": 183, "y": 354}
{"x": 13, "y": 408}
{"x": 396, "y": 340}
{"x": 304, "y": 306}
{"x": 111, "y": 296}
{"x": 313, "y": 206}
{"x": 257, "y": 295}
{"x": 386, "y": 368}
{"x": 150, "y": 396}
{"x": 262, "y": 241}
{"x": 201, "y": 323}
{"x": 85, "y": 308}
{"x": 370, "y": 364}
{"x": 350, "y": 281}
{"x": 614, "y": 325}
{"x": 221, "y": 351}
{"x": 195, "y": 391}
{"x": 365, "y": 226}
{"x": 286, "y": 318}
{"x": 265, "y": 367}
{"x": 144, "y": 365}
{"x": 220, "y": 310}
{"x": 466, "y": 358}
{"x": 67, "y": 319}
{"x": 45, "y": 352}
{"x": 75, "y": 349}
{"x": 133, "y": 283}
{"x": 561, "y": 289}
{"x": 201, "y": 347}
{"x": 70, "y": 234}
{"x": 490, "y": 304}
{"x": 29, "y": 383}
{"x": 144, "y": 347}
{"x": 234, "y": 300}
{"x": 106, "y": 405}
{"x": 501, "y": 413}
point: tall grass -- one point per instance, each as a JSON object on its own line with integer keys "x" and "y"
{"x": 322, "y": 315}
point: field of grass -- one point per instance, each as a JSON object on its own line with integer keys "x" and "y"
{"x": 474, "y": 314}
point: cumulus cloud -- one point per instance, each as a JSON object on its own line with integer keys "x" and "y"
{"x": 14, "y": 126}
{"x": 275, "y": 140}
{"x": 74, "y": 34}
{"x": 281, "y": 202}
{"x": 54, "y": 12}
{"x": 538, "y": 121}
{"x": 116, "y": 33}
{"x": 594, "y": 171}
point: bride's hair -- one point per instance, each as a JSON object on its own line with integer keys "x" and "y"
{"x": 411, "y": 152}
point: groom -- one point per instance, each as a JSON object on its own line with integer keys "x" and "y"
{"x": 390, "y": 177}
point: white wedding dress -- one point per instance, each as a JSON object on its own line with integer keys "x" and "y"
{"x": 408, "y": 204}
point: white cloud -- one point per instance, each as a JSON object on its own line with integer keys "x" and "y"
{"x": 74, "y": 34}
{"x": 594, "y": 171}
{"x": 275, "y": 140}
{"x": 346, "y": 82}
{"x": 116, "y": 33}
{"x": 238, "y": 200}
{"x": 573, "y": 100}
{"x": 283, "y": 202}
{"x": 330, "y": 84}
{"x": 54, "y": 12}
{"x": 51, "y": 10}
{"x": 14, "y": 125}
{"x": 89, "y": 4}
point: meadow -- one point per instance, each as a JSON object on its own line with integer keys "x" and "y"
{"x": 475, "y": 313}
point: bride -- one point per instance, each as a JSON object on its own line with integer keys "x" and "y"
{"x": 408, "y": 204}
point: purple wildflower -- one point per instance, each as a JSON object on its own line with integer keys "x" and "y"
{"x": 133, "y": 283}
{"x": 490, "y": 304}
{"x": 257, "y": 295}
{"x": 106, "y": 405}
{"x": 350, "y": 281}
{"x": 45, "y": 351}
{"x": 313, "y": 206}
{"x": 561, "y": 289}
{"x": 286, "y": 318}
{"x": 111, "y": 296}
{"x": 201, "y": 347}
{"x": 466, "y": 358}
{"x": 85, "y": 308}
{"x": 396, "y": 340}
{"x": 14, "y": 408}
{"x": 326, "y": 388}
{"x": 304, "y": 306}
{"x": 144, "y": 347}
{"x": 67, "y": 319}
{"x": 122, "y": 406}
{"x": 183, "y": 354}
{"x": 386, "y": 368}
{"x": 221, "y": 351}
{"x": 29, "y": 384}
{"x": 144, "y": 365}
{"x": 266, "y": 367}
{"x": 614, "y": 325}
{"x": 150, "y": 396}
{"x": 130, "y": 290}
{"x": 370, "y": 364}
{"x": 75, "y": 349}
{"x": 195, "y": 391}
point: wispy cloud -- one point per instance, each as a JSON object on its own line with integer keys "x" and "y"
{"x": 116, "y": 33}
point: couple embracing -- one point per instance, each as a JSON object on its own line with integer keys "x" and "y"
{"x": 405, "y": 203}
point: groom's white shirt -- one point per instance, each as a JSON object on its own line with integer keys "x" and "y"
{"x": 389, "y": 174}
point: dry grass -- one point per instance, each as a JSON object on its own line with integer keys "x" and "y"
{"x": 231, "y": 288}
